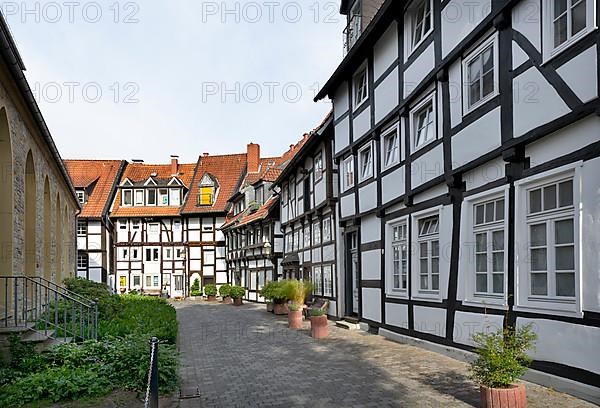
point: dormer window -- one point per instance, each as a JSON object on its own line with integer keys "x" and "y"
{"x": 127, "y": 198}
{"x": 175, "y": 196}
{"x": 151, "y": 196}
{"x": 208, "y": 191}
{"x": 260, "y": 195}
{"x": 163, "y": 197}
{"x": 81, "y": 196}
{"x": 139, "y": 197}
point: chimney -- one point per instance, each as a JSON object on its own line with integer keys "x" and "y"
{"x": 205, "y": 154}
{"x": 174, "y": 165}
{"x": 253, "y": 157}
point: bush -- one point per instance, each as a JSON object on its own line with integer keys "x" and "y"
{"x": 502, "y": 356}
{"x": 225, "y": 290}
{"x": 237, "y": 292}
{"x": 269, "y": 291}
{"x": 195, "y": 289}
{"x": 108, "y": 304}
{"x": 210, "y": 290}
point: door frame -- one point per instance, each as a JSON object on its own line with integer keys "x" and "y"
{"x": 348, "y": 278}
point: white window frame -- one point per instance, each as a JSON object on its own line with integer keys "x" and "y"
{"x": 468, "y": 59}
{"x": 548, "y": 28}
{"x": 318, "y": 283}
{"x": 345, "y": 162}
{"x": 371, "y": 167}
{"x": 416, "y": 291}
{"x": 136, "y": 224}
{"x": 547, "y": 304}
{"x": 124, "y": 201}
{"x": 414, "y": 118}
{"x": 316, "y": 230}
{"x": 80, "y": 196}
{"x": 86, "y": 258}
{"x": 155, "y": 197}
{"x": 82, "y": 228}
{"x": 135, "y": 197}
{"x": 175, "y": 196}
{"x": 467, "y": 259}
{"x": 318, "y": 166}
{"x": 409, "y": 23}
{"x": 389, "y": 255}
{"x": 160, "y": 196}
{"x": 395, "y": 129}
{"x": 328, "y": 290}
{"x": 327, "y": 235}
{"x": 363, "y": 69}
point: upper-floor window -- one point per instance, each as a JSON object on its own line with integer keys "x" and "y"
{"x": 135, "y": 224}
{"x": 81, "y": 196}
{"x": 307, "y": 236}
{"x": 424, "y": 124}
{"x": 127, "y": 197}
{"x": 260, "y": 195}
{"x": 567, "y": 22}
{"x": 151, "y": 196}
{"x": 327, "y": 229}
{"x": 316, "y": 233}
{"x": 208, "y": 191}
{"x": 82, "y": 228}
{"x": 318, "y": 166}
{"x": 175, "y": 196}
{"x": 348, "y": 172}
{"x": 354, "y": 28}
{"x": 361, "y": 87}
{"x": 391, "y": 147}
{"x": 421, "y": 21}
{"x": 163, "y": 197}
{"x": 365, "y": 159}
{"x": 82, "y": 261}
{"x": 239, "y": 206}
{"x": 481, "y": 75}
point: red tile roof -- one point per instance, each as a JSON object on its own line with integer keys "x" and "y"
{"x": 247, "y": 217}
{"x": 99, "y": 178}
{"x": 226, "y": 170}
{"x": 138, "y": 173}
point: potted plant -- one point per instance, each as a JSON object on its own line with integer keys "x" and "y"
{"x": 280, "y": 306}
{"x": 225, "y": 293}
{"x": 296, "y": 291}
{"x": 237, "y": 293}
{"x": 210, "y": 291}
{"x": 319, "y": 329}
{"x": 268, "y": 292}
{"x": 501, "y": 360}
{"x": 195, "y": 289}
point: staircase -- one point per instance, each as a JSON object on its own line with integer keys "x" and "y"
{"x": 44, "y": 313}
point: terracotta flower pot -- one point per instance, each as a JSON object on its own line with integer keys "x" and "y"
{"x": 512, "y": 397}
{"x": 227, "y": 300}
{"x": 212, "y": 298}
{"x": 237, "y": 302}
{"x": 295, "y": 319}
{"x": 280, "y": 309}
{"x": 270, "y": 307}
{"x": 319, "y": 329}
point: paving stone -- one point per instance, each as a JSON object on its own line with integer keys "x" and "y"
{"x": 246, "y": 357}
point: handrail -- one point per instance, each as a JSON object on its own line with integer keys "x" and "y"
{"x": 83, "y": 299}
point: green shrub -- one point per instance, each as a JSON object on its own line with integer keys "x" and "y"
{"x": 317, "y": 312}
{"x": 195, "y": 289}
{"x": 108, "y": 304}
{"x": 210, "y": 290}
{"x": 225, "y": 290}
{"x": 269, "y": 291}
{"x": 237, "y": 292}
{"x": 502, "y": 356}
{"x": 296, "y": 290}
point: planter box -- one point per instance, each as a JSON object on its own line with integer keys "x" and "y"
{"x": 280, "y": 309}
{"x": 512, "y": 397}
{"x": 295, "y": 319}
{"x": 237, "y": 302}
{"x": 227, "y": 300}
{"x": 212, "y": 298}
{"x": 319, "y": 329}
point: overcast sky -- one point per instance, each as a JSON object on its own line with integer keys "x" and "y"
{"x": 149, "y": 79}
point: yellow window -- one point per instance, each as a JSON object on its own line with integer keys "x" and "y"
{"x": 122, "y": 281}
{"x": 206, "y": 195}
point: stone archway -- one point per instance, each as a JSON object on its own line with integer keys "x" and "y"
{"x": 58, "y": 236}
{"x": 30, "y": 216}
{"x": 47, "y": 261}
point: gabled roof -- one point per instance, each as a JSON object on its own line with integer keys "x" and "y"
{"x": 226, "y": 171}
{"x": 138, "y": 174}
{"x": 248, "y": 216}
{"x": 99, "y": 178}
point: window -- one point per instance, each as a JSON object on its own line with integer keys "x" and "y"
{"x": 489, "y": 239}
{"x": 421, "y": 21}
{"x": 565, "y": 22}
{"x": 316, "y": 233}
{"x": 155, "y": 281}
{"x": 123, "y": 225}
{"x": 328, "y": 280}
{"x": 177, "y": 225}
{"x": 127, "y": 197}
{"x": 480, "y": 74}
{"x": 296, "y": 240}
{"x": 260, "y": 195}
{"x": 81, "y": 196}
{"x": 318, "y": 281}
{"x": 318, "y": 166}
{"x": 122, "y": 281}
{"x": 327, "y": 229}
{"x": 551, "y": 237}
{"x": 289, "y": 242}
{"x": 139, "y": 197}
{"x": 206, "y": 196}
{"x": 428, "y": 246}
{"x": 178, "y": 282}
{"x": 391, "y": 147}
{"x": 135, "y": 224}
{"x": 151, "y": 254}
{"x": 365, "y": 160}
{"x": 293, "y": 201}
{"x": 135, "y": 254}
{"x": 82, "y": 228}
{"x": 348, "y": 173}
{"x": 148, "y": 281}
{"x": 361, "y": 88}
{"x": 168, "y": 253}
{"x": 124, "y": 254}
{"x": 153, "y": 229}
{"x": 179, "y": 253}
{"x": 137, "y": 280}
{"x": 398, "y": 256}
{"x": 163, "y": 197}
{"x": 151, "y": 196}
{"x": 175, "y": 196}
{"x": 307, "y": 236}
{"x": 82, "y": 261}
{"x": 424, "y": 124}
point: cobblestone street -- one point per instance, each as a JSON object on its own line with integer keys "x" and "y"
{"x": 246, "y": 357}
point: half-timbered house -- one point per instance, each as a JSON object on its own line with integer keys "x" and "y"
{"x": 468, "y": 140}
{"x": 308, "y": 204}
{"x": 95, "y": 184}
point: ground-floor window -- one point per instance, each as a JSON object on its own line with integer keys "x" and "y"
{"x": 328, "y": 271}
{"x": 178, "y": 282}
{"x": 317, "y": 281}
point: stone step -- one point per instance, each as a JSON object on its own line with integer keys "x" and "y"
{"x": 37, "y": 336}
{"x": 343, "y": 324}
{"x": 25, "y": 327}
{"x": 351, "y": 319}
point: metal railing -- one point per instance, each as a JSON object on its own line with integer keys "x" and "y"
{"x": 151, "y": 400}
{"x": 352, "y": 32}
{"x": 35, "y": 304}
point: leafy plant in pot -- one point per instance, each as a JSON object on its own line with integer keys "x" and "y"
{"x": 210, "y": 290}
{"x": 502, "y": 359}
{"x": 195, "y": 289}
{"x": 225, "y": 293}
{"x": 269, "y": 292}
{"x": 237, "y": 293}
{"x": 319, "y": 329}
{"x": 280, "y": 306}
{"x": 296, "y": 291}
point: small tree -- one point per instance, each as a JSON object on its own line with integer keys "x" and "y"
{"x": 502, "y": 356}
{"x": 195, "y": 289}
{"x": 237, "y": 292}
{"x": 210, "y": 290}
{"x": 225, "y": 290}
